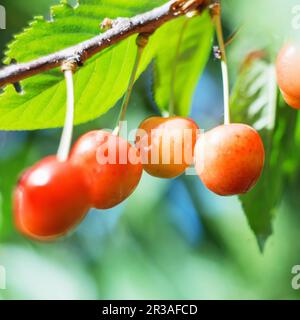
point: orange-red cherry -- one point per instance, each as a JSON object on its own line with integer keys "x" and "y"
{"x": 167, "y": 145}
{"x": 113, "y": 167}
{"x": 288, "y": 70}
{"x": 229, "y": 159}
{"x": 51, "y": 198}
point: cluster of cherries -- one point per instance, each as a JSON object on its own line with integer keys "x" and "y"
{"x": 53, "y": 196}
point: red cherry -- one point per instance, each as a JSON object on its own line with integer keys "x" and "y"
{"x": 112, "y": 165}
{"x": 167, "y": 145}
{"x": 229, "y": 159}
{"x": 288, "y": 70}
{"x": 50, "y": 199}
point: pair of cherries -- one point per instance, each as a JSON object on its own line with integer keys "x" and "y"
{"x": 53, "y": 197}
{"x": 228, "y": 159}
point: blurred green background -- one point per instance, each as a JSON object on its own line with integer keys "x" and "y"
{"x": 171, "y": 239}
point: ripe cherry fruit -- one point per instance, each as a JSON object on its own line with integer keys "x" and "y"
{"x": 112, "y": 165}
{"x": 288, "y": 70}
{"x": 50, "y": 199}
{"x": 167, "y": 145}
{"x": 229, "y": 159}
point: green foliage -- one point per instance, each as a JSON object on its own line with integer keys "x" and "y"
{"x": 104, "y": 78}
{"x": 185, "y": 57}
{"x": 255, "y": 101}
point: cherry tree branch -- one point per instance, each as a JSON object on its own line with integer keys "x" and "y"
{"x": 120, "y": 29}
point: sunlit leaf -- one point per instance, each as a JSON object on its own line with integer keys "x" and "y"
{"x": 102, "y": 81}
{"x": 254, "y": 101}
{"x": 180, "y": 61}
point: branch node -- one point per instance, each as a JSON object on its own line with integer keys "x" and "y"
{"x": 106, "y": 24}
{"x": 143, "y": 39}
{"x": 215, "y": 9}
{"x": 69, "y": 65}
{"x": 181, "y": 7}
{"x": 192, "y": 14}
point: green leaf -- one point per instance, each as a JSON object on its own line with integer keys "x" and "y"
{"x": 180, "y": 62}
{"x": 254, "y": 101}
{"x": 98, "y": 85}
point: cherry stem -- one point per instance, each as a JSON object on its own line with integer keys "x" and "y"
{"x": 66, "y": 137}
{"x": 224, "y": 66}
{"x": 141, "y": 42}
